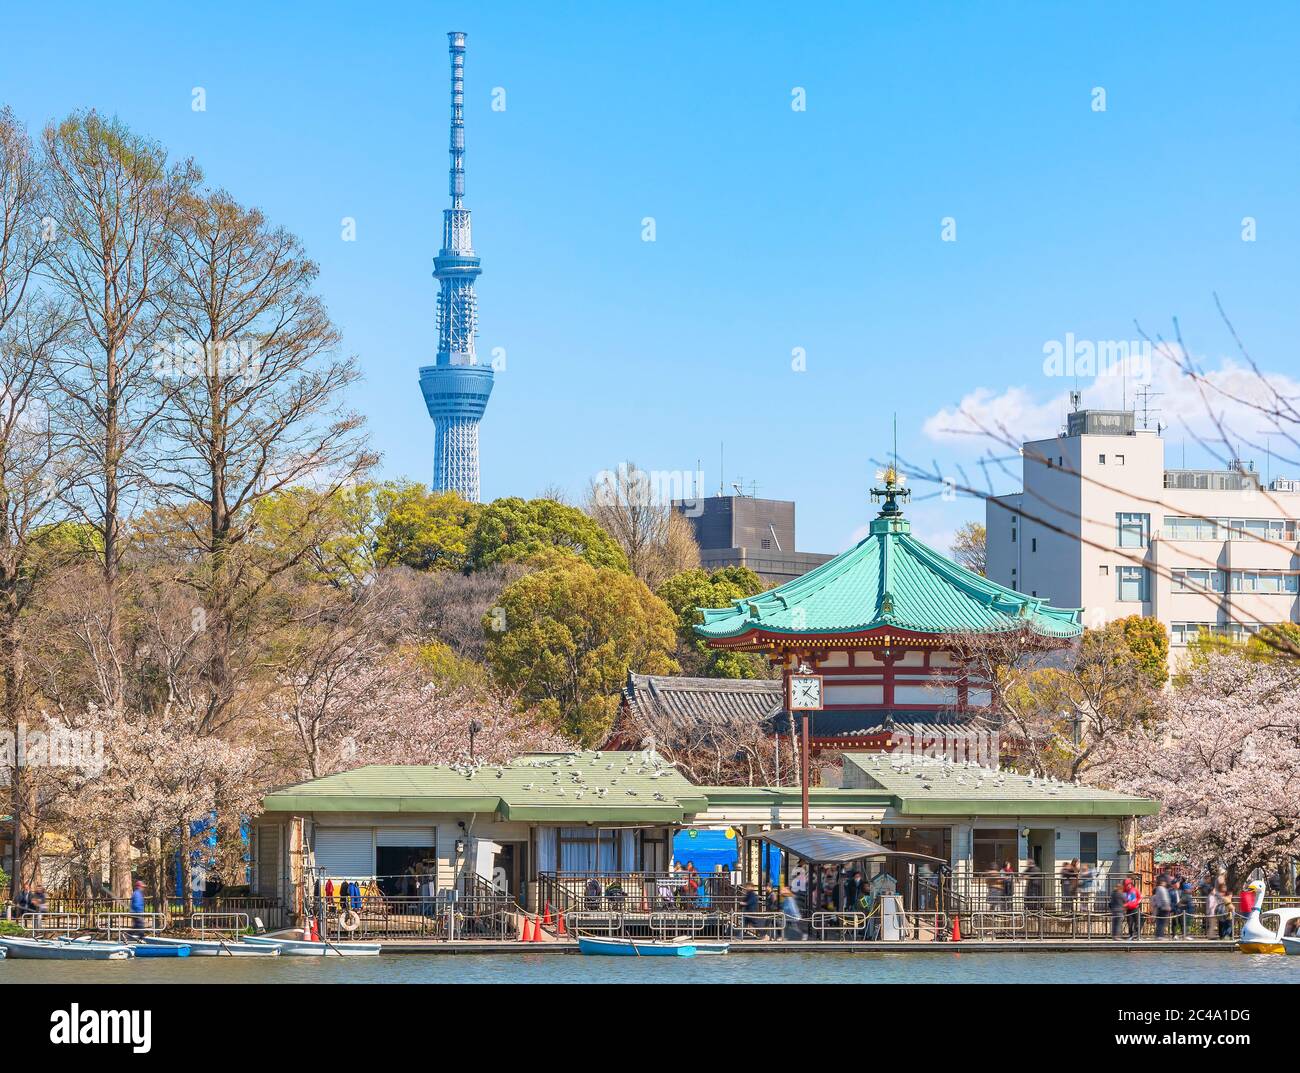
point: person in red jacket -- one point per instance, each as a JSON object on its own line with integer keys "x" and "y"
{"x": 1132, "y": 909}
{"x": 1246, "y": 902}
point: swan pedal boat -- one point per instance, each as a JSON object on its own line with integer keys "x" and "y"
{"x": 64, "y": 950}
{"x": 1260, "y": 938}
{"x": 213, "y": 947}
{"x": 307, "y": 948}
{"x": 636, "y": 947}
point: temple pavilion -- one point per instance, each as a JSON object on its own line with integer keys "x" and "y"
{"x": 871, "y": 642}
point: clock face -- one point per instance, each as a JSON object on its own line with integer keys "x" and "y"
{"x": 805, "y": 692}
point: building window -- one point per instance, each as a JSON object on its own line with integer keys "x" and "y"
{"x": 1033, "y": 544}
{"x": 1134, "y": 530}
{"x": 1132, "y": 584}
{"x": 1088, "y": 847}
{"x": 1263, "y": 581}
{"x": 766, "y": 543}
{"x": 1103, "y": 570}
{"x": 1119, "y": 460}
{"x": 1197, "y": 580}
{"x": 993, "y": 847}
{"x": 1101, "y": 460}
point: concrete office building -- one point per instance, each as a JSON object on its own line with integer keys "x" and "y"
{"x": 747, "y": 531}
{"x": 1103, "y": 525}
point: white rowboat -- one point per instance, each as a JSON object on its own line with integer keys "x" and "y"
{"x": 63, "y": 950}
{"x": 307, "y": 948}
{"x": 216, "y": 947}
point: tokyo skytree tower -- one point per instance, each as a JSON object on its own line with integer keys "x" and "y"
{"x": 456, "y": 387}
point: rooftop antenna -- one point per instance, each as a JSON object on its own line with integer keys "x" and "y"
{"x": 722, "y": 467}
{"x": 1267, "y": 433}
{"x": 1145, "y": 395}
{"x": 1076, "y": 397}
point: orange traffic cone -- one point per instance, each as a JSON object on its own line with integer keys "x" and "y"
{"x": 559, "y": 923}
{"x": 546, "y": 917}
{"x": 526, "y": 935}
{"x": 537, "y": 931}
{"x": 956, "y": 929}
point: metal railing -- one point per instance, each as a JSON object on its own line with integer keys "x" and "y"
{"x": 270, "y": 911}
{"x": 61, "y": 923}
{"x": 381, "y": 916}
{"x": 644, "y": 891}
{"x": 115, "y": 923}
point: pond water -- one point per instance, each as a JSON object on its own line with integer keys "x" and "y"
{"x": 1136, "y": 967}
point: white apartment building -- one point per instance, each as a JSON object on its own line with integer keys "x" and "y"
{"x": 1101, "y": 524}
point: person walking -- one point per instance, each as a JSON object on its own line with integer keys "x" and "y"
{"x": 794, "y": 928}
{"x": 1116, "y": 912}
{"x": 1133, "y": 909}
{"x": 1161, "y": 906}
{"x": 1070, "y": 883}
{"x": 1225, "y": 911}
{"x": 137, "y": 911}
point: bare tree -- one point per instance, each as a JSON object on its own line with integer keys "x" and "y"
{"x": 255, "y": 408}
{"x": 656, "y": 539}
{"x": 32, "y": 475}
{"x": 113, "y": 199}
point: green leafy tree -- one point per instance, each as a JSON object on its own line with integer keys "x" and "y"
{"x": 519, "y": 530}
{"x": 564, "y": 639}
{"x": 423, "y": 530}
{"x": 688, "y": 591}
{"x": 1145, "y": 638}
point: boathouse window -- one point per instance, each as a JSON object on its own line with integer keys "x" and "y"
{"x": 590, "y": 849}
{"x": 993, "y": 846}
{"x": 1088, "y": 847}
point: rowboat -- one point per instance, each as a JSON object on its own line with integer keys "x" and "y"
{"x": 64, "y": 950}
{"x": 635, "y": 947}
{"x": 307, "y": 948}
{"x": 1291, "y": 945}
{"x": 214, "y": 947}
{"x": 705, "y": 946}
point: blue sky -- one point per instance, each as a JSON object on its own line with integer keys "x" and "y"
{"x": 775, "y": 229}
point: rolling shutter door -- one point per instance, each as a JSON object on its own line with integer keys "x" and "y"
{"x": 345, "y": 852}
{"x": 416, "y": 837}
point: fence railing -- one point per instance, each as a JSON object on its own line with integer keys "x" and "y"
{"x": 84, "y": 914}
{"x": 643, "y": 891}
{"x": 476, "y": 915}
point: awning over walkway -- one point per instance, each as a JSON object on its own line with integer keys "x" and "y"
{"x": 819, "y": 846}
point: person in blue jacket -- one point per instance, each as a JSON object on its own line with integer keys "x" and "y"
{"x": 137, "y": 910}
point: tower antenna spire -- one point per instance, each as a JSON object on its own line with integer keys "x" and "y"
{"x": 456, "y": 388}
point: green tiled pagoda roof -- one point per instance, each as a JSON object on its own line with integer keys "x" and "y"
{"x": 889, "y": 579}
{"x": 619, "y": 786}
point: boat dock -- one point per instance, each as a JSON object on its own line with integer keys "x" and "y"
{"x": 787, "y": 946}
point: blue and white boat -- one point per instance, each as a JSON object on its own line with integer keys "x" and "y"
{"x": 213, "y": 947}
{"x": 635, "y": 947}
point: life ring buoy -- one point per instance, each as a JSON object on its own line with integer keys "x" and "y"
{"x": 349, "y": 920}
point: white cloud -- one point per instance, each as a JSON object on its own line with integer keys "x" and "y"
{"x": 1231, "y": 391}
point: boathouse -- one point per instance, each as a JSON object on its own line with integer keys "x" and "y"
{"x": 544, "y": 827}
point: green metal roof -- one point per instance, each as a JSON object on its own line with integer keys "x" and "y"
{"x": 889, "y": 579}
{"x": 582, "y": 786}
{"x": 925, "y": 786}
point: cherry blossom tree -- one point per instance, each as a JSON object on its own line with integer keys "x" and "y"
{"x": 1223, "y": 758}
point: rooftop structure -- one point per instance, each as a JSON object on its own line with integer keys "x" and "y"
{"x": 746, "y": 531}
{"x": 456, "y": 387}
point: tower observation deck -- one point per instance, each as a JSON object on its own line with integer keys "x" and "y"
{"x": 456, "y": 387}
